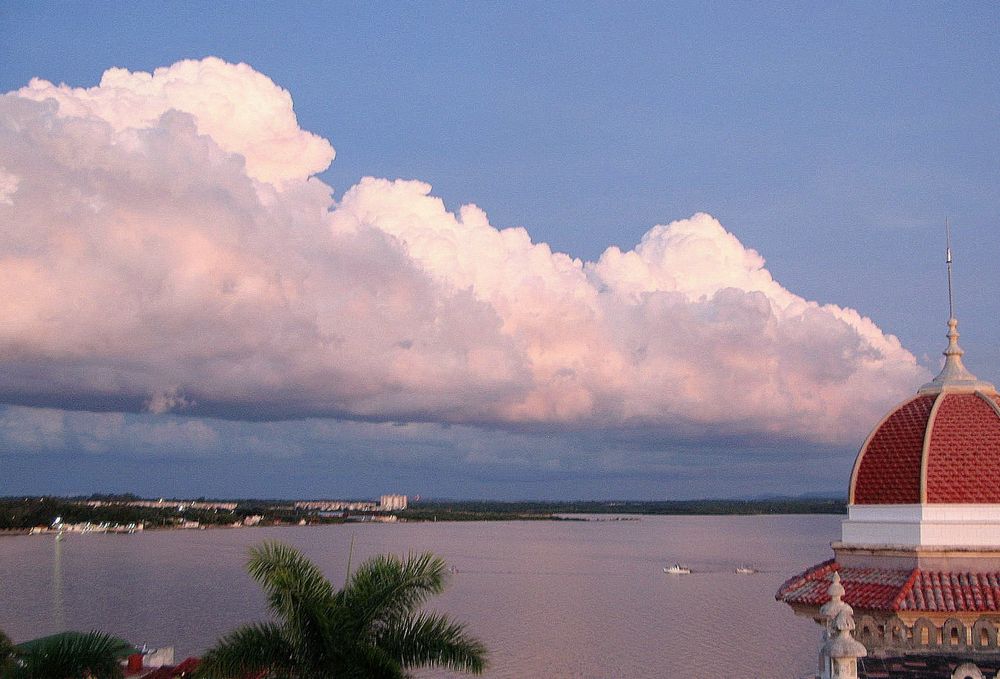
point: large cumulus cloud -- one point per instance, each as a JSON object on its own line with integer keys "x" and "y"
{"x": 243, "y": 112}
{"x": 164, "y": 247}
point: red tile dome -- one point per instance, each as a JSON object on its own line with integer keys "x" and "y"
{"x": 941, "y": 446}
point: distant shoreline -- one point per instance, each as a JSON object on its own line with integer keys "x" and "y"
{"x": 20, "y": 515}
{"x": 462, "y": 510}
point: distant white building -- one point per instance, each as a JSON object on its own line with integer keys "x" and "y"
{"x": 335, "y": 506}
{"x": 390, "y": 503}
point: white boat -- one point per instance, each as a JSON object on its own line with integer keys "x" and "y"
{"x": 676, "y": 569}
{"x": 745, "y": 570}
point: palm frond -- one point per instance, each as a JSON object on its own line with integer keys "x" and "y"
{"x": 365, "y": 631}
{"x": 281, "y": 569}
{"x": 365, "y": 661}
{"x": 6, "y": 652}
{"x": 70, "y": 655}
{"x": 431, "y": 639}
{"x": 299, "y": 594}
{"x": 6, "y": 646}
{"x": 385, "y": 588}
{"x": 247, "y": 651}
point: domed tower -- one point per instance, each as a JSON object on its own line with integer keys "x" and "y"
{"x": 928, "y": 476}
{"x": 919, "y": 554}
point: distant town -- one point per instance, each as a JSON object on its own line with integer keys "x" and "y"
{"x": 130, "y": 514}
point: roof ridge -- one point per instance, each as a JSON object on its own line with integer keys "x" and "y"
{"x": 905, "y": 589}
{"x": 989, "y": 400}
{"x": 925, "y": 449}
{"x": 805, "y": 576}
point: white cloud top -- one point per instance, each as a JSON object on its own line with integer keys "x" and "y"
{"x": 163, "y": 248}
{"x": 242, "y": 110}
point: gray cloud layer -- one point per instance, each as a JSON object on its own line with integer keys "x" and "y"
{"x": 48, "y": 450}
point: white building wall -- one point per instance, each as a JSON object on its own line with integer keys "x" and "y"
{"x": 393, "y": 502}
{"x": 938, "y": 525}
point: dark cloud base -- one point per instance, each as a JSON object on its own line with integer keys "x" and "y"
{"x": 51, "y": 452}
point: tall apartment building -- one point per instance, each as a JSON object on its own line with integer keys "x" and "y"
{"x": 391, "y": 503}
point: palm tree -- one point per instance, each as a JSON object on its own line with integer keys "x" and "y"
{"x": 370, "y": 629}
{"x": 68, "y": 655}
{"x": 6, "y": 654}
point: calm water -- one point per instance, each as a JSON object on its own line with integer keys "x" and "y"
{"x": 573, "y": 599}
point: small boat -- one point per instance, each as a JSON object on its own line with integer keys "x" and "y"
{"x": 743, "y": 569}
{"x": 676, "y": 569}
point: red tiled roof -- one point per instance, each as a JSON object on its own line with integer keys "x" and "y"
{"x": 961, "y": 457}
{"x": 963, "y": 463}
{"x": 165, "y": 672}
{"x": 188, "y": 665}
{"x": 889, "y": 468}
{"x": 948, "y": 591}
{"x": 882, "y": 589}
{"x": 186, "y": 668}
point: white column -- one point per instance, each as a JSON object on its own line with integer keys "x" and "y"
{"x": 841, "y": 651}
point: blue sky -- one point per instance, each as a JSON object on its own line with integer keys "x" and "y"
{"x": 833, "y": 140}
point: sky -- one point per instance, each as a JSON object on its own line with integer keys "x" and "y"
{"x": 484, "y": 250}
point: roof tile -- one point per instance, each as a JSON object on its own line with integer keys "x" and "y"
{"x": 889, "y": 472}
{"x": 895, "y": 590}
{"x": 963, "y": 461}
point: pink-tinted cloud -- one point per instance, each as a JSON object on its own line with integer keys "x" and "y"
{"x": 164, "y": 248}
{"x": 243, "y": 112}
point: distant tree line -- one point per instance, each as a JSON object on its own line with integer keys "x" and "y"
{"x": 22, "y": 513}
{"x": 526, "y": 509}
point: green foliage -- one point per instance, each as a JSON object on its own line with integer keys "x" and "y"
{"x": 6, "y": 654}
{"x": 431, "y": 639}
{"x": 23, "y": 513}
{"x": 370, "y": 629}
{"x": 69, "y": 655}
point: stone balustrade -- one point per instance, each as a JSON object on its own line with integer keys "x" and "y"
{"x": 953, "y": 635}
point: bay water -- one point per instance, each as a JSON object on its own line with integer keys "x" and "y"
{"x": 585, "y": 599}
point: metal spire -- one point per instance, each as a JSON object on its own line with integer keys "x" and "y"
{"x": 947, "y": 259}
{"x": 954, "y": 375}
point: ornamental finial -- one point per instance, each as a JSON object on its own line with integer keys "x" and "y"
{"x": 836, "y": 603}
{"x": 954, "y": 375}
